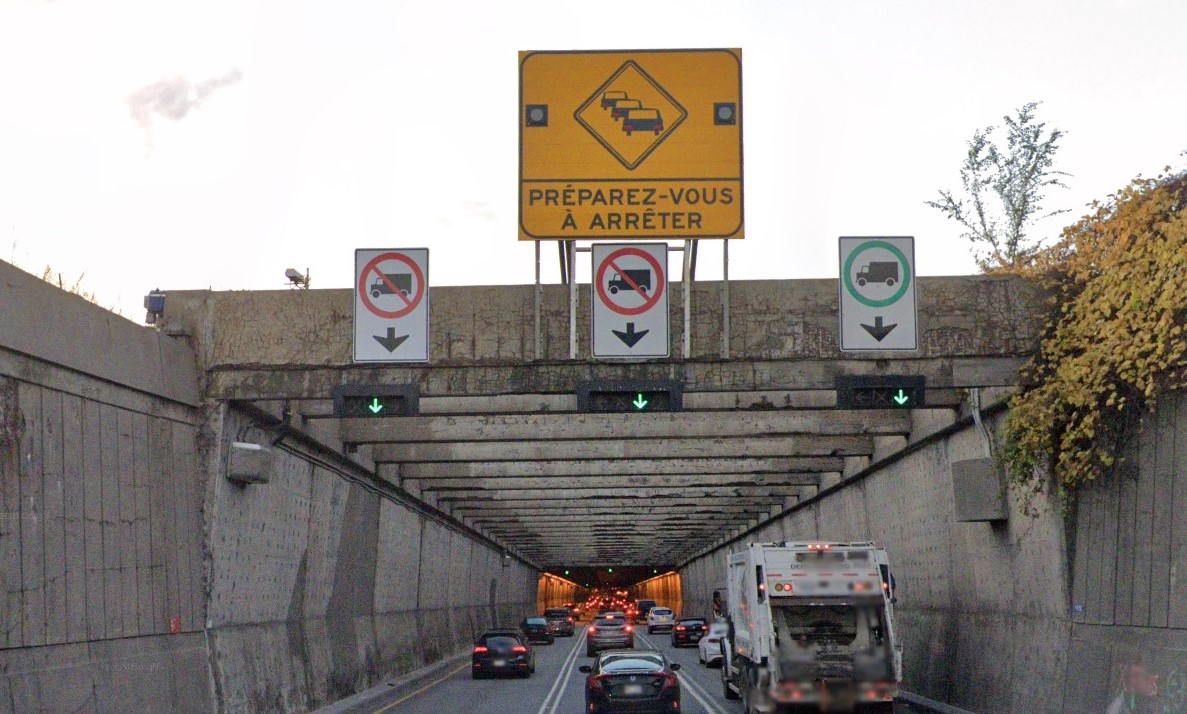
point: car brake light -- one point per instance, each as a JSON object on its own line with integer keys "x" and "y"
{"x": 593, "y": 630}
{"x": 680, "y": 628}
{"x": 519, "y": 648}
{"x": 670, "y": 681}
{"x": 570, "y": 619}
{"x": 629, "y": 628}
{"x": 597, "y": 682}
{"x": 479, "y": 649}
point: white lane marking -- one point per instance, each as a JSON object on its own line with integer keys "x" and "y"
{"x": 561, "y": 677}
{"x": 698, "y": 693}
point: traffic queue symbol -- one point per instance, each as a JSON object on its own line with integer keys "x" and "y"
{"x": 390, "y": 341}
{"x": 876, "y": 282}
{"x": 391, "y": 285}
{"x": 630, "y": 115}
{"x": 630, "y": 338}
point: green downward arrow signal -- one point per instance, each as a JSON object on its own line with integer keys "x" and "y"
{"x": 640, "y": 402}
{"x": 901, "y": 398}
{"x": 375, "y": 406}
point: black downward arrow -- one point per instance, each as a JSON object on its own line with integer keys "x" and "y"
{"x": 630, "y": 338}
{"x": 390, "y": 342}
{"x": 877, "y": 331}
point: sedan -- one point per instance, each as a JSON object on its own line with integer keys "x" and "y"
{"x": 631, "y": 681}
{"x": 710, "y": 644}
{"x": 688, "y": 631}
{"x": 535, "y": 629}
{"x": 501, "y": 652}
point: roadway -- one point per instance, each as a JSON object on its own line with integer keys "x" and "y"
{"x": 557, "y": 687}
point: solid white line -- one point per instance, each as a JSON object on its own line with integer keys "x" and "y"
{"x": 561, "y": 678}
{"x": 698, "y": 693}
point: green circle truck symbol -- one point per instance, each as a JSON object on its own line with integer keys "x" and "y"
{"x": 888, "y": 279}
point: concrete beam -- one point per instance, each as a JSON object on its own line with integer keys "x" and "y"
{"x": 621, "y": 505}
{"x": 580, "y": 427}
{"x": 705, "y": 448}
{"x": 579, "y": 495}
{"x": 577, "y": 483}
{"x": 598, "y": 468}
{"x": 317, "y": 381}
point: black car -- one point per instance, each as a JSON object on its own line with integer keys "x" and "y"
{"x": 560, "y": 621}
{"x": 502, "y": 651}
{"x": 631, "y": 681}
{"x": 689, "y": 631}
{"x": 536, "y": 630}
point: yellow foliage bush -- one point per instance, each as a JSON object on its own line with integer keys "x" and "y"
{"x": 1116, "y": 339}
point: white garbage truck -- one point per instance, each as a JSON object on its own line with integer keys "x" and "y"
{"x": 811, "y": 629}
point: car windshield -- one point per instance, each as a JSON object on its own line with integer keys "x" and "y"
{"x": 553, "y": 614}
{"x": 500, "y": 642}
{"x": 633, "y": 662}
{"x": 536, "y": 621}
{"x": 718, "y": 629}
{"x": 692, "y": 622}
{"x": 616, "y": 621}
{"x": 661, "y": 611}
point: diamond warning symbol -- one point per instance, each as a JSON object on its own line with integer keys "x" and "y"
{"x": 631, "y": 114}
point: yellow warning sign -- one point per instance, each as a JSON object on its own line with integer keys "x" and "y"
{"x": 630, "y": 144}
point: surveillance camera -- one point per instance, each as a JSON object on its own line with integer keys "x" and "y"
{"x": 294, "y": 275}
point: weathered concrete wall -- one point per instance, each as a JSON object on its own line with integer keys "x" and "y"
{"x": 323, "y": 585}
{"x": 1030, "y": 615}
{"x": 782, "y": 333}
{"x": 101, "y": 572}
{"x": 666, "y": 590}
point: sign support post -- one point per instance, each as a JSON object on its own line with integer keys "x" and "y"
{"x": 538, "y": 298}
{"x": 686, "y": 298}
{"x": 571, "y": 259}
{"x": 725, "y": 299}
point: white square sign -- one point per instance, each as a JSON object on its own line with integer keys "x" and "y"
{"x": 630, "y": 300}
{"x": 877, "y": 287}
{"x": 391, "y": 305}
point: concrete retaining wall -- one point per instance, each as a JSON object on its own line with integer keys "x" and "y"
{"x": 324, "y": 585}
{"x": 553, "y": 591}
{"x": 1032, "y": 615}
{"x": 101, "y": 571}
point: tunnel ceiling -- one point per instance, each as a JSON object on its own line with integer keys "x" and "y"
{"x": 577, "y": 489}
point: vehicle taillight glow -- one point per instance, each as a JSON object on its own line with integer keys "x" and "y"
{"x": 680, "y": 628}
{"x": 592, "y": 630}
{"x": 570, "y": 619}
{"x": 519, "y": 648}
{"x": 597, "y": 682}
{"x": 479, "y": 649}
{"x": 629, "y": 628}
{"x": 670, "y": 681}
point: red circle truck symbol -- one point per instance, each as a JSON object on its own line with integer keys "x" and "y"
{"x": 407, "y": 287}
{"x": 648, "y": 283}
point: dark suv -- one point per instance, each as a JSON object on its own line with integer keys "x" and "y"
{"x": 560, "y": 621}
{"x": 536, "y": 630}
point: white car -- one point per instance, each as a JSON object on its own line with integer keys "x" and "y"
{"x": 710, "y": 644}
{"x": 660, "y": 618}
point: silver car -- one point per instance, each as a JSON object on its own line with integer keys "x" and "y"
{"x": 610, "y": 630}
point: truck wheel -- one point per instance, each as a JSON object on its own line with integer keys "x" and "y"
{"x": 861, "y": 282}
{"x": 374, "y": 293}
{"x": 613, "y": 289}
{"x": 890, "y": 282}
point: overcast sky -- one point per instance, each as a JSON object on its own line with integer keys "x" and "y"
{"x": 215, "y": 143}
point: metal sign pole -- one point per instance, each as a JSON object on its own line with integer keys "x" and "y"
{"x": 686, "y": 290}
{"x": 571, "y": 251}
{"x": 725, "y": 299}
{"x": 538, "y": 300}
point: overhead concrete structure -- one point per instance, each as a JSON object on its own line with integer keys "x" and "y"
{"x": 499, "y": 444}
